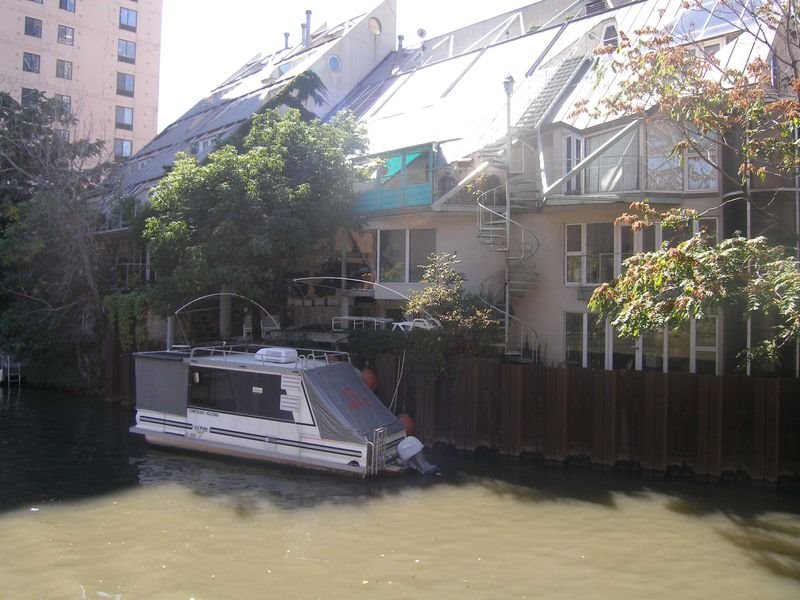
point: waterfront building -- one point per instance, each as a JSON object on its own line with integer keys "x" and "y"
{"x": 480, "y": 151}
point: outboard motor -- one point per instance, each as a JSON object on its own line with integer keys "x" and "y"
{"x": 410, "y": 452}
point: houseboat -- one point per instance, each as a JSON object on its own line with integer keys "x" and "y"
{"x": 309, "y": 408}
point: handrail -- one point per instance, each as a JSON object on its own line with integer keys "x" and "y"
{"x": 522, "y": 324}
{"x": 305, "y": 356}
{"x": 523, "y": 230}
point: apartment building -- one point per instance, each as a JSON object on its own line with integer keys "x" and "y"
{"x": 100, "y": 57}
{"x": 477, "y": 149}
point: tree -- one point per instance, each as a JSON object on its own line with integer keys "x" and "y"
{"x": 697, "y": 278}
{"x": 751, "y": 112}
{"x": 710, "y": 99}
{"x": 50, "y": 261}
{"x": 461, "y": 313}
{"x": 244, "y": 217}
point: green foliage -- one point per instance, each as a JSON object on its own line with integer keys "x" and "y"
{"x": 697, "y": 278}
{"x": 128, "y": 313}
{"x": 242, "y": 218}
{"x": 462, "y": 314}
{"x": 49, "y": 256}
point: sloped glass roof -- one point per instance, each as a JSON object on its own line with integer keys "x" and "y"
{"x": 713, "y": 18}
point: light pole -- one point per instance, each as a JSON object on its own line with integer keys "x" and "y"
{"x": 508, "y": 86}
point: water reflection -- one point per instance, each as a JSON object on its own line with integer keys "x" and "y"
{"x": 117, "y": 518}
{"x": 253, "y": 485}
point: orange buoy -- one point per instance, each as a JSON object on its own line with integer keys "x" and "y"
{"x": 370, "y": 378}
{"x": 408, "y": 422}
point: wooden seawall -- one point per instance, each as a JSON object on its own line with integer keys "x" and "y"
{"x": 677, "y": 423}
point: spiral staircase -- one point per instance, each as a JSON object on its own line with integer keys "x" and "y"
{"x": 522, "y": 192}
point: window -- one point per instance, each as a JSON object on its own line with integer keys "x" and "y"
{"x": 584, "y": 340}
{"x": 257, "y": 394}
{"x": 573, "y": 154}
{"x": 589, "y": 249}
{"x": 33, "y": 27}
{"x": 63, "y": 135}
{"x": 125, "y": 84}
{"x": 67, "y": 5}
{"x": 616, "y": 169}
{"x": 610, "y": 37}
{"x": 63, "y": 69}
{"x": 411, "y": 167}
{"x": 122, "y": 148}
{"x": 30, "y": 62}
{"x": 66, "y": 101}
{"x": 66, "y": 35}
{"x": 126, "y": 51}
{"x": 37, "y": 1}
{"x": 124, "y": 117}
{"x": 691, "y": 169}
{"x": 401, "y": 252}
{"x": 127, "y": 19}
{"x": 29, "y": 97}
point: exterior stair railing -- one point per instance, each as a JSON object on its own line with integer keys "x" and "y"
{"x": 494, "y": 228}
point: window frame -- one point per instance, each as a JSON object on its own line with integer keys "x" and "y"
{"x": 63, "y": 69}
{"x": 123, "y": 90}
{"x": 67, "y": 5}
{"x": 123, "y": 143}
{"x": 66, "y": 35}
{"x": 31, "y": 62}
{"x": 33, "y": 27}
{"x": 659, "y": 137}
{"x": 583, "y": 254}
{"x": 124, "y": 123}
{"x": 573, "y": 153}
{"x": 66, "y": 101}
{"x": 408, "y": 270}
{"x": 27, "y": 97}
{"x": 125, "y": 18}
{"x": 124, "y": 55}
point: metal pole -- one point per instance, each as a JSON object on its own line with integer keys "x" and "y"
{"x": 508, "y": 86}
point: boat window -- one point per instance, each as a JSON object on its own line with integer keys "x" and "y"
{"x": 254, "y": 394}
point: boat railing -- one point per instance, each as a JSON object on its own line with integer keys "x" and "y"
{"x": 376, "y": 451}
{"x": 306, "y": 357}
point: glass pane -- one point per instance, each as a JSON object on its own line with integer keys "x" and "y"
{"x": 679, "y": 349}
{"x": 706, "y": 332}
{"x": 393, "y": 256}
{"x": 706, "y": 362}
{"x": 649, "y": 239}
{"x": 417, "y": 170}
{"x": 573, "y": 238}
{"x": 596, "y": 357}
{"x": 709, "y": 225}
{"x": 573, "y": 339}
{"x": 702, "y": 176}
{"x": 624, "y": 352}
{"x": 599, "y": 252}
{"x": 675, "y": 235}
{"x": 390, "y": 172}
{"x": 625, "y": 243}
{"x": 653, "y": 351}
{"x": 664, "y": 171}
{"x": 574, "y": 269}
{"x": 421, "y": 244}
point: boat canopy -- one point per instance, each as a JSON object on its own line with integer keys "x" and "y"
{"x": 344, "y": 407}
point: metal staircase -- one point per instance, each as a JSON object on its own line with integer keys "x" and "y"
{"x": 522, "y": 192}
{"x": 519, "y": 244}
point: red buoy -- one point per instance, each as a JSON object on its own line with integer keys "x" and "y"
{"x": 370, "y": 378}
{"x": 408, "y": 422}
